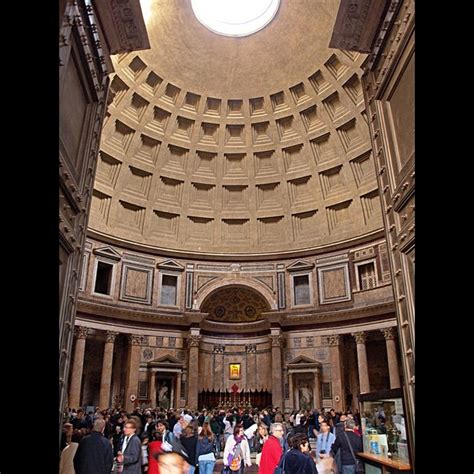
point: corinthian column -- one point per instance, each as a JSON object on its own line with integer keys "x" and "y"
{"x": 133, "y": 370}
{"x": 393, "y": 372}
{"x": 277, "y": 379}
{"x": 317, "y": 402}
{"x": 193, "y": 370}
{"x": 334, "y": 342}
{"x": 364, "y": 383}
{"x": 104, "y": 396}
{"x": 178, "y": 390}
{"x": 78, "y": 364}
{"x": 152, "y": 390}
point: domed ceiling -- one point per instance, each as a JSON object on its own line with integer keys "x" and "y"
{"x": 216, "y": 145}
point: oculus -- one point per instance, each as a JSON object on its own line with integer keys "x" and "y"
{"x": 235, "y": 17}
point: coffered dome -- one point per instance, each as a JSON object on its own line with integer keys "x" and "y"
{"x": 216, "y": 145}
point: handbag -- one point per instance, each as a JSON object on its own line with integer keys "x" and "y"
{"x": 358, "y": 464}
{"x": 236, "y": 458}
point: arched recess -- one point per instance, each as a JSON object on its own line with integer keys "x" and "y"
{"x": 238, "y": 295}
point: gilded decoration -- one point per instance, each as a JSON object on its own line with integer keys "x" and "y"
{"x": 235, "y": 305}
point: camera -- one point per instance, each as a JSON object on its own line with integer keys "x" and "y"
{"x": 323, "y": 451}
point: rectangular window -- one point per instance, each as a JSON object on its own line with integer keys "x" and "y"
{"x": 103, "y": 278}
{"x": 301, "y": 289}
{"x": 169, "y": 285}
{"x": 326, "y": 388}
{"x": 367, "y": 276}
{"x": 143, "y": 390}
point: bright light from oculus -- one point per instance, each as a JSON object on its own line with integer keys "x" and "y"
{"x": 235, "y": 17}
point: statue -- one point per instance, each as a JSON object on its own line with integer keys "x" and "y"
{"x": 306, "y": 398}
{"x": 163, "y": 399}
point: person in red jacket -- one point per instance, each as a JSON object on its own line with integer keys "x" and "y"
{"x": 272, "y": 451}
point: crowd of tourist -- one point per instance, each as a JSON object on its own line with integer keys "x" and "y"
{"x": 152, "y": 441}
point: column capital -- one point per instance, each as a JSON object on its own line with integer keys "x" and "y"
{"x": 277, "y": 340}
{"x": 193, "y": 340}
{"x": 251, "y": 348}
{"x": 334, "y": 339}
{"x": 137, "y": 339}
{"x": 218, "y": 348}
{"x": 360, "y": 337}
{"x": 81, "y": 332}
{"x": 110, "y": 336}
{"x": 388, "y": 333}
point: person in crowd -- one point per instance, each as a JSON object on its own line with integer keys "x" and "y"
{"x": 262, "y": 436}
{"x": 162, "y": 428}
{"x": 205, "y": 450}
{"x": 130, "y": 456}
{"x": 324, "y": 441}
{"x": 149, "y": 426}
{"x": 217, "y": 427}
{"x": 189, "y": 440}
{"x": 183, "y": 421}
{"x": 154, "y": 447}
{"x": 298, "y": 459}
{"x": 145, "y": 441}
{"x": 117, "y": 439}
{"x": 79, "y": 421}
{"x": 348, "y": 460}
{"x": 94, "y": 454}
{"x": 237, "y": 450}
{"x": 173, "y": 458}
{"x": 66, "y": 464}
{"x": 66, "y": 435}
{"x": 272, "y": 450}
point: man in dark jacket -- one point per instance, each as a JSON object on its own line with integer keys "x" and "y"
{"x": 94, "y": 454}
{"x": 348, "y": 461}
{"x": 298, "y": 459}
{"x": 131, "y": 454}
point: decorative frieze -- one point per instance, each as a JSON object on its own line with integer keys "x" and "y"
{"x": 138, "y": 340}
{"x": 334, "y": 339}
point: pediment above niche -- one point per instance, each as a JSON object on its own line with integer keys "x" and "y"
{"x": 170, "y": 265}
{"x": 166, "y": 361}
{"x": 303, "y": 361}
{"x": 299, "y": 265}
{"x": 108, "y": 252}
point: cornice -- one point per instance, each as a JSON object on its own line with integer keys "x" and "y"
{"x": 155, "y": 319}
{"x": 114, "y": 311}
{"x": 232, "y": 257}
